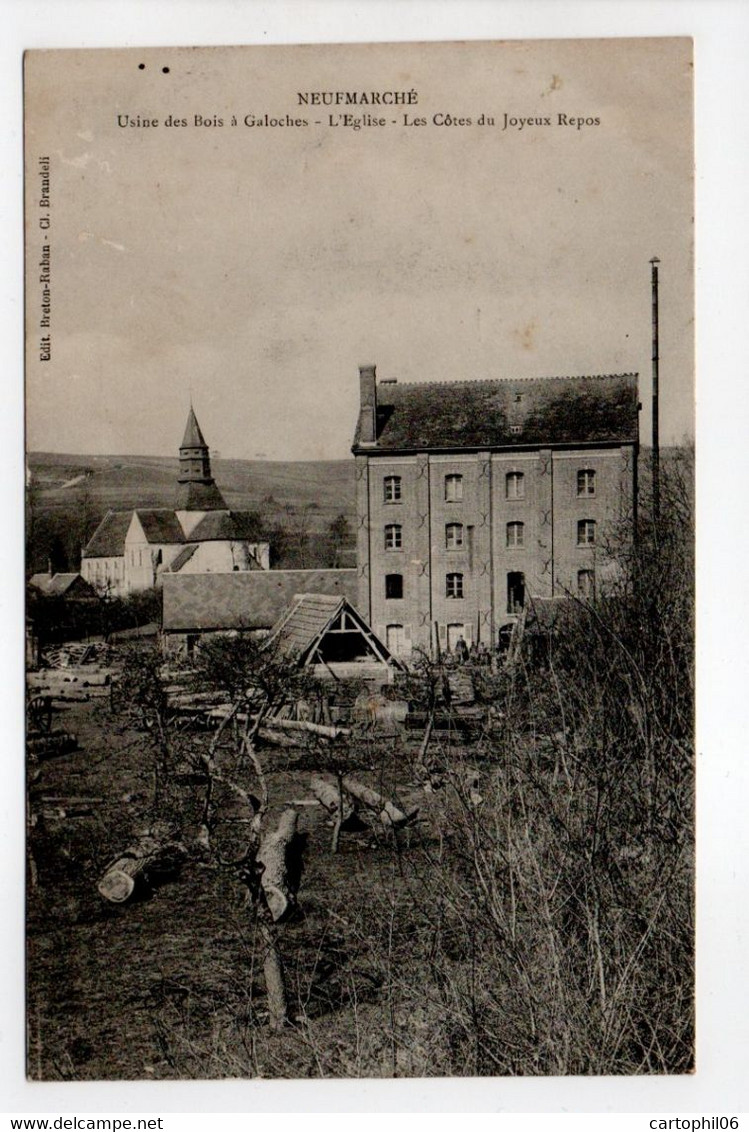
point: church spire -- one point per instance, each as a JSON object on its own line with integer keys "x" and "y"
{"x": 196, "y": 489}
{"x": 193, "y": 437}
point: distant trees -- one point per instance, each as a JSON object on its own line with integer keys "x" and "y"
{"x": 297, "y": 538}
{"x": 56, "y": 534}
{"x": 339, "y": 537}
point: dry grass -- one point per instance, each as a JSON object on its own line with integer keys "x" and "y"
{"x": 540, "y": 925}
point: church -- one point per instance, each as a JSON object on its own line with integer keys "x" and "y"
{"x": 131, "y": 550}
{"x": 475, "y": 498}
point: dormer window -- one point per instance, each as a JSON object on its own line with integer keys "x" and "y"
{"x": 392, "y": 489}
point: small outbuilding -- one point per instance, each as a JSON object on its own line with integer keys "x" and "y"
{"x": 328, "y": 635}
{"x": 200, "y": 605}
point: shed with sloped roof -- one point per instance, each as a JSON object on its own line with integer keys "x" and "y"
{"x": 325, "y": 632}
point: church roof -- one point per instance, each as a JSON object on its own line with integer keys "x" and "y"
{"x": 108, "y": 540}
{"x": 183, "y": 556}
{"x": 200, "y": 496}
{"x": 513, "y": 413}
{"x": 222, "y": 526}
{"x": 160, "y": 525}
{"x": 193, "y": 437}
{"x": 253, "y": 599}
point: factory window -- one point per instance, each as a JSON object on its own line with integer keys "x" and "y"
{"x": 393, "y": 536}
{"x": 515, "y": 485}
{"x": 453, "y": 489}
{"x": 586, "y": 532}
{"x": 393, "y": 585}
{"x": 515, "y": 534}
{"x": 515, "y": 591}
{"x": 392, "y": 489}
{"x": 454, "y": 536}
{"x": 586, "y": 482}
{"x": 454, "y": 585}
{"x": 395, "y": 638}
{"x": 586, "y": 583}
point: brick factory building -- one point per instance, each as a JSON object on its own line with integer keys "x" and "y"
{"x": 475, "y": 497}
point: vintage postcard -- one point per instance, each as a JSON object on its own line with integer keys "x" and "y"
{"x": 359, "y": 620}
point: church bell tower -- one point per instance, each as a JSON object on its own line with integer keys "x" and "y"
{"x": 196, "y": 488}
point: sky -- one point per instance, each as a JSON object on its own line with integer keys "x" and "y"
{"x": 251, "y": 269}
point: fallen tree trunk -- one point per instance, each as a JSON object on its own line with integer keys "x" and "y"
{"x": 307, "y": 725}
{"x": 389, "y": 813}
{"x": 138, "y": 865}
{"x": 275, "y": 721}
{"x": 276, "y": 738}
{"x": 329, "y": 796}
{"x": 273, "y": 857}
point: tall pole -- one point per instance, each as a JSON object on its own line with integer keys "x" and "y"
{"x": 656, "y": 457}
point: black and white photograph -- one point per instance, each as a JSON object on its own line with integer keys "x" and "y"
{"x": 359, "y": 622}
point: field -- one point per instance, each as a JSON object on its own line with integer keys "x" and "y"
{"x": 123, "y": 482}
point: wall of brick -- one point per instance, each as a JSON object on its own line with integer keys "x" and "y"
{"x": 549, "y": 557}
{"x": 606, "y": 508}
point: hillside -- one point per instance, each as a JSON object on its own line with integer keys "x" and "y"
{"x": 70, "y": 493}
{"x": 122, "y": 482}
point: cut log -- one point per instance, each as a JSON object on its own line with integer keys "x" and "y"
{"x": 275, "y": 721}
{"x": 329, "y": 796}
{"x": 140, "y": 864}
{"x": 272, "y": 856}
{"x": 118, "y": 883}
{"x": 276, "y": 738}
{"x": 389, "y": 813}
{"x": 305, "y": 725}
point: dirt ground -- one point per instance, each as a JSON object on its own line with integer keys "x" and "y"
{"x": 171, "y": 985}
